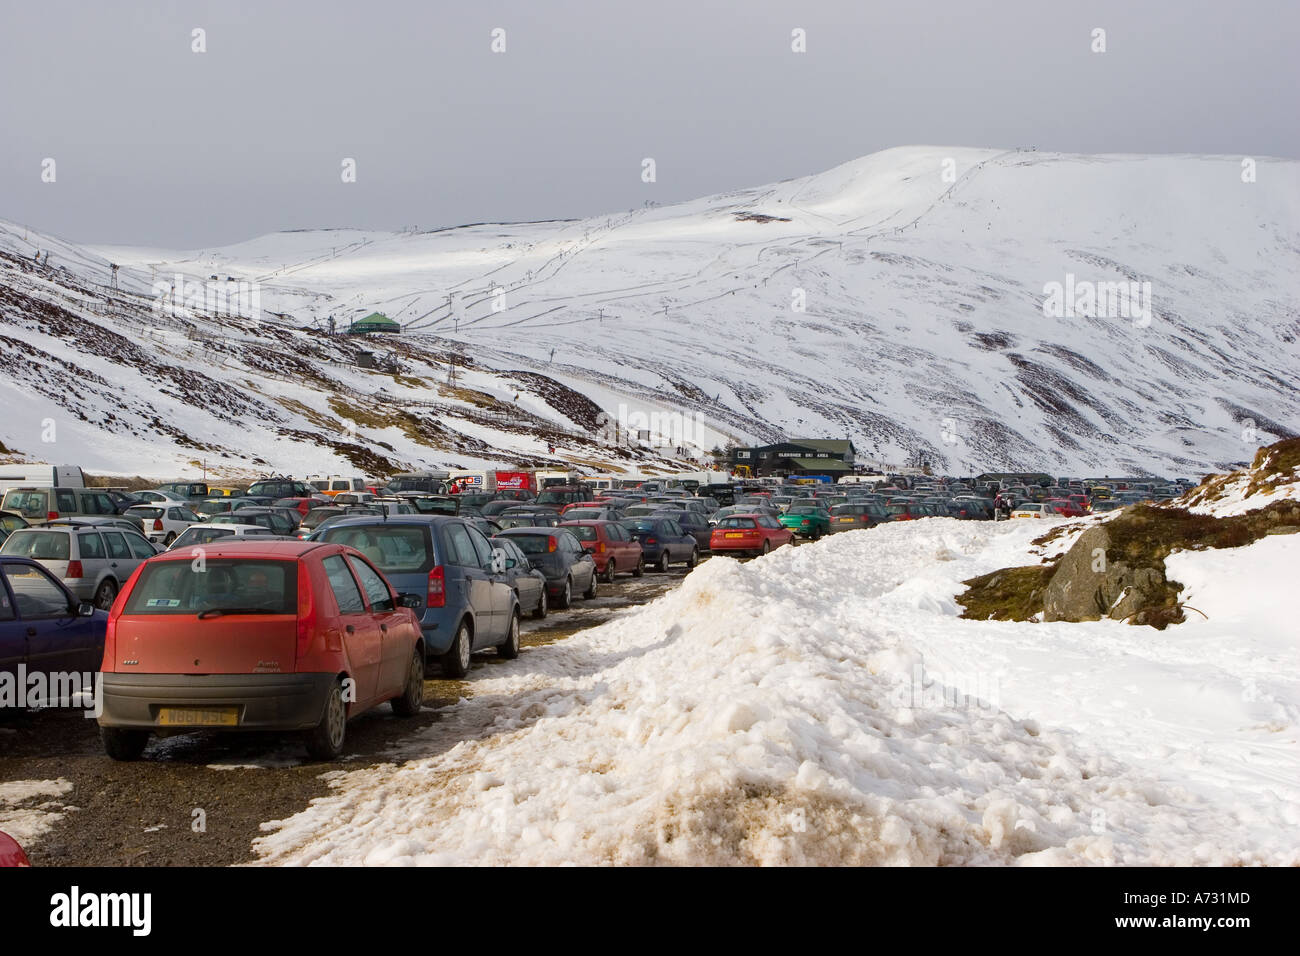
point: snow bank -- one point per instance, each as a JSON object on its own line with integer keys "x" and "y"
{"x": 24, "y": 815}
{"x": 784, "y": 711}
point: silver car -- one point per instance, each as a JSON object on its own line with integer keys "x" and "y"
{"x": 93, "y": 561}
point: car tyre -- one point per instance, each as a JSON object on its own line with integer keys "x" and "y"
{"x": 325, "y": 740}
{"x": 539, "y": 612}
{"x": 767, "y": 546}
{"x": 639, "y": 570}
{"x": 455, "y": 663}
{"x": 694, "y": 559}
{"x": 412, "y": 698}
{"x": 171, "y": 536}
{"x": 566, "y": 598}
{"x": 105, "y": 594}
{"x": 510, "y": 649}
{"x": 662, "y": 564}
{"x": 608, "y": 576}
{"x": 123, "y": 744}
{"x": 591, "y": 588}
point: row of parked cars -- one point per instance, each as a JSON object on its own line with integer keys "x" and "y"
{"x": 300, "y": 626}
{"x": 333, "y": 604}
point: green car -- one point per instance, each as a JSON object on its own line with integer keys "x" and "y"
{"x": 807, "y": 521}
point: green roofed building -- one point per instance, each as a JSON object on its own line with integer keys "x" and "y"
{"x": 810, "y": 456}
{"x": 374, "y": 322}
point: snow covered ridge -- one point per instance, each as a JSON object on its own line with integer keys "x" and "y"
{"x": 1273, "y": 476}
{"x": 982, "y": 319}
{"x": 815, "y": 707}
{"x": 103, "y": 378}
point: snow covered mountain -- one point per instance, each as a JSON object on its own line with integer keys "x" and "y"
{"x": 979, "y": 309}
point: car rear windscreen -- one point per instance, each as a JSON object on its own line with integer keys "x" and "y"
{"x": 584, "y": 532}
{"x": 37, "y": 545}
{"x": 29, "y": 504}
{"x": 203, "y": 535}
{"x": 140, "y": 512}
{"x": 532, "y": 543}
{"x": 233, "y": 585}
{"x": 394, "y": 549}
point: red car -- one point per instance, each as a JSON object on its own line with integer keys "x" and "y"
{"x": 751, "y": 534}
{"x": 257, "y": 635}
{"x": 611, "y": 545}
{"x": 1068, "y": 507}
{"x": 11, "y": 854}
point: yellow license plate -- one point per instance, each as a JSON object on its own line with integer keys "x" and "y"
{"x": 196, "y": 717}
{"x": 846, "y": 519}
{"x": 734, "y": 534}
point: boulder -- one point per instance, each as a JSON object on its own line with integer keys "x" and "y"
{"x": 1087, "y": 586}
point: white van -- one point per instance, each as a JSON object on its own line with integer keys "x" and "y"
{"x": 48, "y": 476}
{"x": 475, "y": 482}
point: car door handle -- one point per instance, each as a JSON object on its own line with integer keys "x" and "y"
{"x": 350, "y": 629}
{"x": 384, "y": 628}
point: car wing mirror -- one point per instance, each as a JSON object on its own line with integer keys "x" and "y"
{"x": 408, "y": 600}
{"x": 510, "y": 563}
{"x": 85, "y": 609}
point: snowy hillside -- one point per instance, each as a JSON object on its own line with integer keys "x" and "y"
{"x": 923, "y": 331}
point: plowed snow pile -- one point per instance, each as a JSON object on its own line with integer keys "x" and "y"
{"x": 792, "y": 711}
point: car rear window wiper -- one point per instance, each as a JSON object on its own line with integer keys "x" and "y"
{"x": 219, "y": 611}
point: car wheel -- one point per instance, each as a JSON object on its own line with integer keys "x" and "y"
{"x": 608, "y": 576}
{"x": 171, "y": 536}
{"x": 325, "y": 740}
{"x": 767, "y": 546}
{"x": 566, "y": 598}
{"x": 694, "y": 559}
{"x": 105, "y": 595}
{"x": 412, "y": 699}
{"x": 662, "y": 564}
{"x": 510, "y": 649}
{"x": 639, "y": 570}
{"x": 455, "y": 663}
{"x": 123, "y": 744}
{"x": 539, "y": 612}
{"x": 591, "y": 588}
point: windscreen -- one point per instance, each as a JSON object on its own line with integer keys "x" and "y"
{"x": 232, "y": 585}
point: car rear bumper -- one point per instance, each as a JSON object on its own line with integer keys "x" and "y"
{"x": 262, "y": 701}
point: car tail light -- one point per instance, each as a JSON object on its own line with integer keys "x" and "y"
{"x": 306, "y": 612}
{"x": 437, "y": 596}
{"x": 551, "y": 545}
{"x": 600, "y": 547}
{"x": 157, "y": 524}
{"x": 51, "y": 516}
{"x": 651, "y": 541}
{"x": 74, "y": 570}
{"x": 110, "y": 645}
{"x": 803, "y": 522}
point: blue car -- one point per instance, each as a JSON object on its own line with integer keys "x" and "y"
{"x": 43, "y": 626}
{"x": 662, "y": 541}
{"x": 465, "y": 599}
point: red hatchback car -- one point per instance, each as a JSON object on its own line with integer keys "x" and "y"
{"x": 751, "y": 534}
{"x": 611, "y": 545}
{"x": 257, "y": 635}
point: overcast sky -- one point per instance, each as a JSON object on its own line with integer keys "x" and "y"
{"x": 157, "y": 145}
